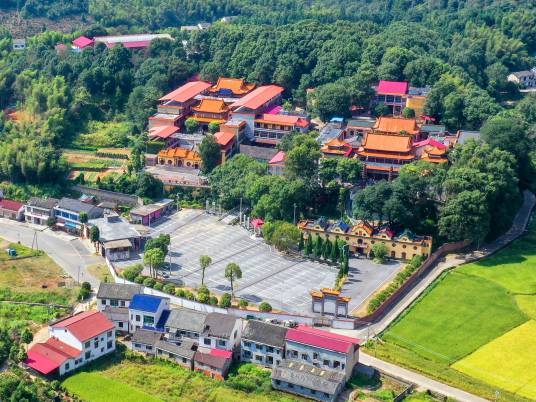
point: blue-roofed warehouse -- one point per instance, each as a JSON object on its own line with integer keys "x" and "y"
{"x": 147, "y": 311}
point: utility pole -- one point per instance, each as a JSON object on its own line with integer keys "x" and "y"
{"x": 294, "y": 213}
{"x": 34, "y": 241}
{"x": 240, "y": 210}
{"x": 78, "y": 277}
{"x": 178, "y": 203}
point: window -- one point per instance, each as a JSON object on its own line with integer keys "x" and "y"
{"x": 109, "y": 334}
{"x": 326, "y": 362}
{"x": 222, "y": 343}
{"x": 326, "y": 394}
{"x": 122, "y": 303}
{"x": 88, "y": 355}
{"x": 149, "y": 347}
{"x": 102, "y": 350}
{"x": 206, "y": 341}
{"x": 258, "y": 358}
{"x": 66, "y": 366}
{"x": 269, "y": 359}
{"x": 304, "y": 356}
{"x": 247, "y": 344}
{"x": 247, "y": 354}
{"x": 114, "y": 303}
{"x": 290, "y": 385}
{"x": 87, "y": 344}
{"x": 270, "y": 349}
{"x": 138, "y": 318}
{"x": 109, "y": 344}
{"x": 278, "y": 382}
{"x": 148, "y": 320}
{"x": 96, "y": 344}
{"x": 336, "y": 364}
{"x": 137, "y": 345}
{"x": 315, "y": 355}
{"x": 120, "y": 324}
{"x": 313, "y": 392}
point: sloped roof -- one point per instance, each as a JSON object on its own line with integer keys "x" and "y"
{"x": 146, "y": 336}
{"x": 187, "y": 320}
{"x": 308, "y": 376}
{"x": 180, "y": 152}
{"x": 283, "y": 119}
{"x": 186, "y": 91}
{"x": 187, "y": 348}
{"x": 82, "y": 42}
{"x": 321, "y": 339}
{"x": 47, "y": 203}
{"x": 86, "y": 325}
{"x": 259, "y": 97}
{"x": 70, "y": 204}
{"x": 208, "y": 105}
{"x": 163, "y": 131}
{"x": 118, "y": 291}
{"x": 147, "y": 303}
{"x": 213, "y": 359}
{"x": 267, "y": 334}
{"x": 235, "y": 85}
{"x": 224, "y": 138}
{"x": 218, "y": 324}
{"x": 393, "y": 87}
{"x": 48, "y": 356}
{"x": 11, "y": 205}
{"x": 278, "y": 158}
{"x": 432, "y": 142}
{"x": 390, "y": 143}
{"x": 396, "y": 125}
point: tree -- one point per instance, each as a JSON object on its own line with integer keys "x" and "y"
{"x": 285, "y": 236}
{"x": 265, "y": 307}
{"x": 302, "y": 160}
{"x": 155, "y": 259}
{"x": 204, "y": 262}
{"x": 382, "y": 110}
{"x": 326, "y": 249}
{"x": 327, "y": 170}
{"x": 83, "y": 217}
{"x": 210, "y": 152}
{"x": 318, "y": 247}
{"x": 130, "y": 273}
{"x": 213, "y": 127}
{"x": 94, "y": 236}
{"x": 380, "y": 252}
{"x": 161, "y": 242}
{"x": 192, "y": 125}
{"x": 334, "y": 255}
{"x": 408, "y": 113}
{"x": 331, "y": 100}
{"x": 301, "y": 244}
{"x": 226, "y": 300}
{"x": 233, "y": 273}
{"x": 243, "y": 303}
{"x": 26, "y": 336}
{"x": 309, "y": 245}
{"x": 349, "y": 170}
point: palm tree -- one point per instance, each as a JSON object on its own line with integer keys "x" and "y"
{"x": 204, "y": 261}
{"x": 233, "y": 272}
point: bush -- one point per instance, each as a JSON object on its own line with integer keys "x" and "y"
{"x": 265, "y": 307}
{"x": 213, "y": 301}
{"x": 203, "y": 290}
{"x": 83, "y": 294}
{"x": 380, "y": 252}
{"x": 86, "y": 285}
{"x": 169, "y": 288}
{"x": 243, "y": 303}
{"x": 159, "y": 286}
{"x": 130, "y": 273}
{"x": 149, "y": 282}
{"x": 225, "y": 301}
{"x": 189, "y": 295}
{"x": 139, "y": 279}
{"x": 203, "y": 298}
{"x": 250, "y": 378}
{"x": 179, "y": 293}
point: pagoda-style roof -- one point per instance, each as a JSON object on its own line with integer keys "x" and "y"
{"x": 180, "y": 152}
{"x": 208, "y": 105}
{"x": 396, "y": 125}
{"x": 387, "y": 143}
{"x": 236, "y": 86}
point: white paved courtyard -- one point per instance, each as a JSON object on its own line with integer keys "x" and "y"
{"x": 266, "y": 275}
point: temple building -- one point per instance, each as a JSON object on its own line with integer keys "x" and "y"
{"x": 209, "y": 111}
{"x": 397, "y": 126}
{"x": 336, "y": 148}
{"x": 432, "y": 151}
{"x": 179, "y": 157}
{"x": 362, "y": 236}
{"x": 271, "y": 128}
{"x": 230, "y": 88}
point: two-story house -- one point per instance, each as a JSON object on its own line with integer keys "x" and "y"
{"x": 220, "y": 331}
{"x": 113, "y": 299}
{"x": 263, "y": 343}
{"x": 148, "y": 312}
{"x": 183, "y": 353}
{"x": 68, "y": 212}
{"x": 74, "y": 341}
{"x": 214, "y": 363}
{"x": 184, "y": 323}
{"x": 144, "y": 340}
{"x": 322, "y": 349}
{"x": 39, "y": 210}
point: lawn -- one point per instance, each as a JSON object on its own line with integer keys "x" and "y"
{"x": 95, "y": 387}
{"x": 473, "y": 328}
{"x": 159, "y": 380}
{"x": 507, "y": 362}
{"x": 460, "y": 314}
{"x": 101, "y": 272}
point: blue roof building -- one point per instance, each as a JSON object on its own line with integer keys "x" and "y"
{"x": 148, "y": 311}
{"x": 147, "y": 303}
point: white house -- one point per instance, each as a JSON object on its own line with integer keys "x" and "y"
{"x": 525, "y": 79}
{"x": 113, "y": 299}
{"x": 221, "y": 331}
{"x": 148, "y": 312}
{"x": 74, "y": 341}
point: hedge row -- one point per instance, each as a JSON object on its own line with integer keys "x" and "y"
{"x": 399, "y": 280}
{"x": 112, "y": 155}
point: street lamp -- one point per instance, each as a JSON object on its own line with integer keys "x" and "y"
{"x": 294, "y": 213}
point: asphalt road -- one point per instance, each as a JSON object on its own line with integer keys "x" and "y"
{"x": 70, "y": 254}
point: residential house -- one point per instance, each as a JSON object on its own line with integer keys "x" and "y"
{"x": 331, "y": 131}
{"x": 183, "y": 353}
{"x": 262, "y": 154}
{"x": 118, "y": 239}
{"x": 271, "y": 128}
{"x": 359, "y": 127}
{"x": 144, "y": 340}
{"x": 322, "y": 349}
{"x": 81, "y": 43}
{"x": 337, "y": 148}
{"x": 392, "y": 94}
{"x": 432, "y": 151}
{"x": 263, "y": 343}
{"x": 184, "y": 323}
{"x": 11, "y": 209}
{"x": 133, "y": 41}
{"x": 363, "y": 235}
{"x": 254, "y": 104}
{"x": 276, "y": 165}
{"x": 68, "y": 212}
{"x": 525, "y": 79}
{"x": 19, "y": 44}
{"x": 74, "y": 342}
{"x": 220, "y": 331}
{"x": 113, "y": 299}
{"x": 148, "y": 312}
{"x": 308, "y": 381}
{"x": 150, "y": 213}
{"x": 214, "y": 363}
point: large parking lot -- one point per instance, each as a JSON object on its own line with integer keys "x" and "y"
{"x": 266, "y": 275}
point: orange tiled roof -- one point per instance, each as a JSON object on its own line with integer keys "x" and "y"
{"x": 283, "y": 119}
{"x": 389, "y": 143}
{"x": 179, "y": 153}
{"x": 386, "y": 155}
{"x": 224, "y": 137}
{"x": 258, "y": 97}
{"x": 236, "y": 85}
{"x": 211, "y": 106}
{"x": 434, "y": 160}
{"x": 396, "y": 125}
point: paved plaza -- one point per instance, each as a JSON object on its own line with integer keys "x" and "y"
{"x": 283, "y": 281}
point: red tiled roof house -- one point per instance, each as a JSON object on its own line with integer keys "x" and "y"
{"x": 74, "y": 342}
{"x": 11, "y": 209}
